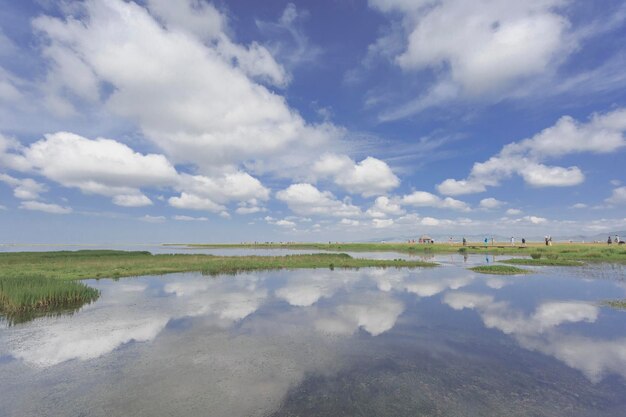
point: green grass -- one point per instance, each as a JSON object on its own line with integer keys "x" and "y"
{"x": 44, "y": 281}
{"x": 618, "y": 304}
{"x": 23, "y": 298}
{"x": 499, "y": 270}
{"x": 590, "y": 252}
{"x": 542, "y": 262}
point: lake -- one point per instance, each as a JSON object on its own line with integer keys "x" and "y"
{"x": 369, "y": 342}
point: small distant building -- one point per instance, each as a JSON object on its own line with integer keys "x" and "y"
{"x": 425, "y": 239}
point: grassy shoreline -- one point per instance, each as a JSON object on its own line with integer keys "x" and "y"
{"x": 41, "y": 281}
{"x": 591, "y": 252}
{"x": 542, "y": 262}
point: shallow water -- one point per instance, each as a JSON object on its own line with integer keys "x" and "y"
{"x": 372, "y": 342}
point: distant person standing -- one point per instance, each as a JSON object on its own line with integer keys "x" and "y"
{"x": 512, "y": 241}
{"x": 486, "y": 240}
{"x": 523, "y": 241}
{"x": 616, "y": 239}
{"x": 609, "y": 241}
{"x": 464, "y": 241}
{"x": 546, "y": 239}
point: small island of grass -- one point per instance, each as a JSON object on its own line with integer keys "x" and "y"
{"x": 499, "y": 270}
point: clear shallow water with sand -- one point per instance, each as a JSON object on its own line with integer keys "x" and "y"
{"x": 372, "y": 342}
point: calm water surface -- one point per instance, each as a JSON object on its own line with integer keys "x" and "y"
{"x": 372, "y": 342}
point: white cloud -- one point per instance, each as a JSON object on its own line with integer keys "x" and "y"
{"x": 249, "y": 209}
{"x": 490, "y": 203}
{"x": 513, "y": 212}
{"x": 306, "y": 199}
{"x": 193, "y": 202}
{"x": 532, "y": 220}
{"x": 369, "y": 177}
{"x": 350, "y": 222}
{"x": 9, "y": 156}
{"x": 280, "y": 222}
{"x": 382, "y": 223}
{"x": 238, "y": 186}
{"x": 478, "y": 48}
{"x": 430, "y": 221}
{"x": 99, "y": 166}
{"x": 285, "y": 223}
{"x": 45, "y": 207}
{"x": 426, "y": 199}
{"x": 24, "y": 188}
{"x": 459, "y": 187}
{"x": 539, "y": 175}
{"x": 383, "y": 207}
{"x": 618, "y": 196}
{"x": 604, "y": 133}
{"x": 192, "y": 97}
{"x": 132, "y": 200}
{"x": 579, "y": 206}
{"x": 190, "y": 219}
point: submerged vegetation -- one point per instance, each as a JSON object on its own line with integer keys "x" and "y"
{"x": 45, "y": 281}
{"x": 499, "y": 270}
{"x": 618, "y": 304}
{"x": 590, "y": 252}
{"x": 542, "y": 262}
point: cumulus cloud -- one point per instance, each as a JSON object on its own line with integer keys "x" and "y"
{"x": 384, "y": 207}
{"x": 207, "y": 110}
{"x": 532, "y": 220}
{"x": 490, "y": 203}
{"x": 603, "y": 133}
{"x": 45, "y": 207}
{"x": 133, "y": 200}
{"x": 24, "y": 188}
{"x": 369, "y": 177}
{"x": 99, "y": 166}
{"x": 618, "y": 196}
{"x": 10, "y": 156}
{"x": 382, "y": 223}
{"x": 235, "y": 186}
{"x": 305, "y": 199}
{"x": 477, "y": 49}
{"x": 194, "y": 202}
{"x": 513, "y": 212}
{"x": 426, "y": 199}
{"x": 280, "y": 222}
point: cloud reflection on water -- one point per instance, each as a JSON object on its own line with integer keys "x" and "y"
{"x": 542, "y": 331}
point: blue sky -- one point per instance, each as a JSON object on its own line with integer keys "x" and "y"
{"x": 190, "y": 120}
